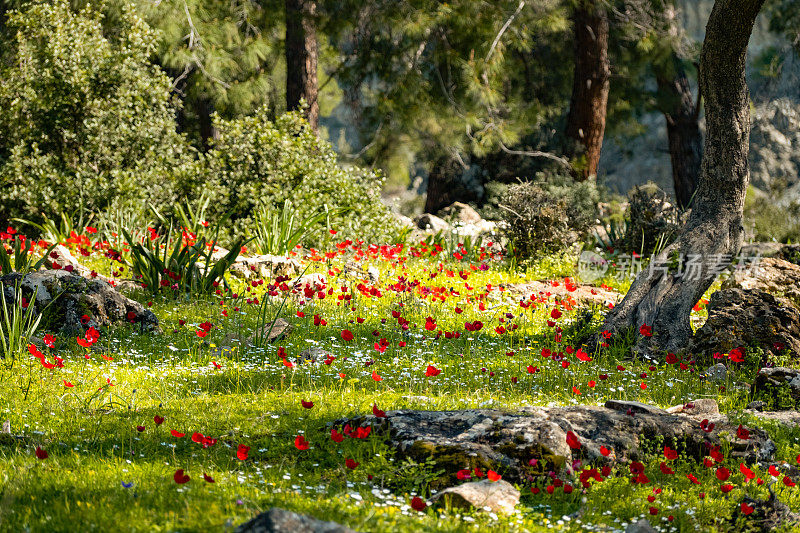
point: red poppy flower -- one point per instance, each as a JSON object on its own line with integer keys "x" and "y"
{"x": 723, "y": 473}
{"x": 351, "y": 464}
{"x": 49, "y": 341}
{"x": 493, "y": 476}
{"x": 68, "y": 384}
{"x": 158, "y": 420}
{"x": 375, "y": 376}
{"x": 306, "y": 405}
{"x": 555, "y": 313}
{"x": 692, "y": 478}
{"x": 706, "y": 426}
{"x": 41, "y": 454}
{"x": 742, "y": 433}
{"x": 208, "y": 479}
{"x": 432, "y": 371}
{"x": 773, "y": 471}
{"x": 646, "y": 330}
{"x": 418, "y": 504}
{"x": 336, "y": 436}
{"x": 301, "y": 443}
{"x": 242, "y": 451}
{"x": 177, "y": 434}
{"x": 748, "y": 474}
{"x": 788, "y": 481}
{"x": 377, "y": 412}
{"x": 464, "y": 474}
{"x": 670, "y": 454}
{"x": 665, "y": 469}
{"x": 572, "y": 441}
{"x": 604, "y": 451}
{"x": 726, "y": 488}
{"x": 180, "y": 478}
{"x": 347, "y": 335}
{"x": 746, "y": 509}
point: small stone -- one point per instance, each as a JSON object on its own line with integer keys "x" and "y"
{"x": 718, "y": 372}
{"x": 279, "y": 330}
{"x": 281, "y": 521}
{"x": 497, "y": 496}
{"x": 635, "y": 407}
{"x": 642, "y": 526}
{"x": 756, "y": 406}
{"x": 431, "y": 223}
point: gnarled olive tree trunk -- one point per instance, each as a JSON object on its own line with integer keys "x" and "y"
{"x": 661, "y": 299}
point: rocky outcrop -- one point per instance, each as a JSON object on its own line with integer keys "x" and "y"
{"x": 770, "y": 274}
{"x": 741, "y": 318}
{"x": 66, "y": 298}
{"x": 265, "y": 266}
{"x": 561, "y": 290}
{"x": 534, "y": 441}
{"x": 775, "y": 147}
{"x": 282, "y": 521}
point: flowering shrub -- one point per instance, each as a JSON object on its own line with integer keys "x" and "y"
{"x": 259, "y": 161}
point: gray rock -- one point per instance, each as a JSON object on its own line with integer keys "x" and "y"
{"x": 756, "y": 406}
{"x": 718, "y": 372}
{"x": 499, "y": 496}
{"x": 460, "y": 212}
{"x": 770, "y": 274}
{"x": 432, "y": 223}
{"x": 642, "y": 526}
{"x": 282, "y": 521}
{"x": 633, "y": 407}
{"x": 270, "y": 332}
{"x": 768, "y": 515}
{"x": 507, "y": 442}
{"x": 73, "y": 296}
{"x": 747, "y": 317}
{"x": 264, "y": 266}
{"x": 704, "y": 407}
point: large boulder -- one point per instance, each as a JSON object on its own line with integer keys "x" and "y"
{"x": 772, "y": 275}
{"x": 533, "y": 441}
{"x": 67, "y": 297}
{"x": 748, "y": 317}
{"x": 278, "y": 520}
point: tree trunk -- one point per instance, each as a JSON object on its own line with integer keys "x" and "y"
{"x": 205, "y": 112}
{"x": 683, "y": 129}
{"x": 586, "y": 121}
{"x": 663, "y": 299}
{"x": 301, "y": 58}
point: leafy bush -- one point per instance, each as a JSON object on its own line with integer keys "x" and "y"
{"x": 256, "y": 161}
{"x": 547, "y": 215}
{"x": 86, "y": 121}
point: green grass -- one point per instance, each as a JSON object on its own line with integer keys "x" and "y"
{"x": 90, "y": 430}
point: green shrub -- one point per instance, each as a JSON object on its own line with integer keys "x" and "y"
{"x": 256, "y": 162}
{"x": 86, "y": 120}
{"x": 651, "y": 221}
{"x": 548, "y": 215}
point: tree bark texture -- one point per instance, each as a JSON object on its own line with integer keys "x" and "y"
{"x": 586, "y": 121}
{"x": 301, "y": 58}
{"x": 682, "y": 115}
{"x": 663, "y": 299}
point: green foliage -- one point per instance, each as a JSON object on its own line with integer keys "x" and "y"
{"x": 87, "y": 121}
{"x": 766, "y": 221}
{"x": 548, "y": 215}
{"x": 18, "y": 325}
{"x": 278, "y": 233}
{"x": 187, "y": 269}
{"x": 258, "y": 162}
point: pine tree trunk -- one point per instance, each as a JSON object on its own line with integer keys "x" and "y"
{"x": 683, "y": 130}
{"x": 301, "y": 58}
{"x": 664, "y": 300}
{"x": 205, "y": 112}
{"x": 586, "y": 121}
